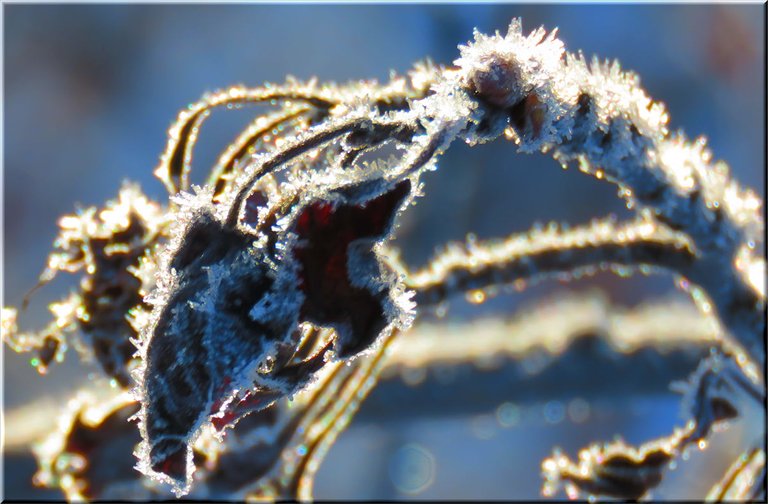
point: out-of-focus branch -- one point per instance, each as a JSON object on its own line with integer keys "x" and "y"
{"x": 548, "y": 328}
{"x": 744, "y": 481}
{"x": 717, "y": 392}
{"x": 552, "y": 326}
{"x": 284, "y": 445}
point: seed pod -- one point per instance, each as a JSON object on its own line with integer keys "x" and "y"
{"x": 221, "y": 338}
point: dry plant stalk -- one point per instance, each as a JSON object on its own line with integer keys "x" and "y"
{"x": 260, "y": 285}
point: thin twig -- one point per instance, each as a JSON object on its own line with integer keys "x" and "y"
{"x": 544, "y": 252}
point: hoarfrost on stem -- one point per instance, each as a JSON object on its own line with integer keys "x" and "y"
{"x": 261, "y": 282}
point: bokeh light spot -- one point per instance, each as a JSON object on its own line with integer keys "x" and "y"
{"x": 508, "y": 414}
{"x": 578, "y": 410}
{"x": 554, "y": 412}
{"x": 412, "y": 469}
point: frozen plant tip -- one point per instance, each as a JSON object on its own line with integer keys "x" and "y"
{"x": 231, "y": 295}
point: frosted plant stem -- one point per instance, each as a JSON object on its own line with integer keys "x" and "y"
{"x": 174, "y": 166}
{"x": 744, "y": 481}
{"x": 252, "y": 139}
{"x": 544, "y": 252}
{"x": 173, "y": 169}
{"x": 600, "y": 118}
{"x": 715, "y": 394}
{"x": 692, "y": 220}
{"x": 314, "y": 138}
{"x": 323, "y": 413}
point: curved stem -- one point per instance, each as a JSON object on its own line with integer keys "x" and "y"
{"x": 539, "y": 253}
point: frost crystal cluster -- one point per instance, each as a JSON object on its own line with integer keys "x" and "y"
{"x": 274, "y": 281}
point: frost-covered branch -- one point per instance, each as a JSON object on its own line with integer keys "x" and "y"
{"x": 529, "y": 257}
{"x": 744, "y": 481}
{"x": 597, "y": 116}
{"x": 324, "y": 100}
{"x": 256, "y": 137}
{"x": 716, "y": 393}
{"x": 104, "y": 246}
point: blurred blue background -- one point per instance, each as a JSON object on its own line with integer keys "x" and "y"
{"x": 91, "y": 89}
